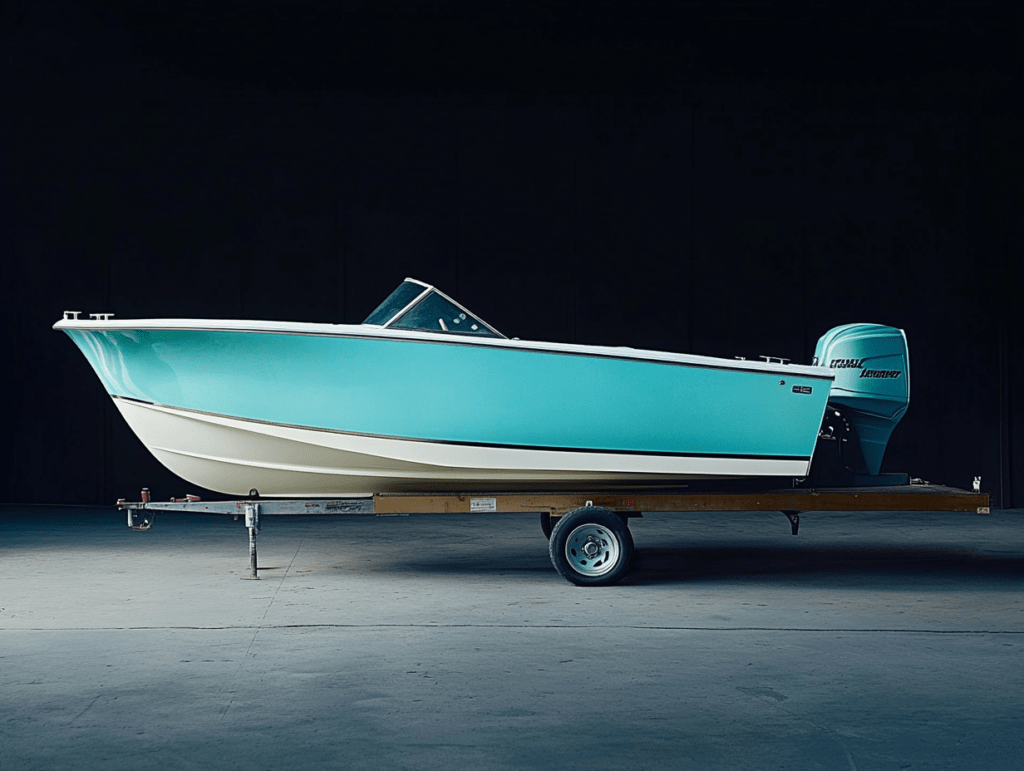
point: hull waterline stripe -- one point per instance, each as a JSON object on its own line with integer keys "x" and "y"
{"x": 491, "y": 445}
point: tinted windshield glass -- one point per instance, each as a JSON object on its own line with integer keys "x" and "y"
{"x": 405, "y": 294}
{"x": 436, "y": 314}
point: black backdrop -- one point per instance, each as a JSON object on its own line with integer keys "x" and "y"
{"x": 720, "y": 178}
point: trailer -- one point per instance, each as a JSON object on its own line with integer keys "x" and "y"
{"x": 589, "y": 541}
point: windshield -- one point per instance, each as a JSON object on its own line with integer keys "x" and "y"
{"x": 435, "y": 313}
{"x": 415, "y": 305}
{"x": 396, "y": 301}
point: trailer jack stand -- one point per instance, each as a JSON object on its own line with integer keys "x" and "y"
{"x": 252, "y": 523}
{"x": 139, "y": 519}
{"x": 794, "y": 520}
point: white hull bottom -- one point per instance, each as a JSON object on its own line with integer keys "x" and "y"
{"x": 234, "y": 456}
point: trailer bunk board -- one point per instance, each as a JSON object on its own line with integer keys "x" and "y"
{"x": 894, "y": 498}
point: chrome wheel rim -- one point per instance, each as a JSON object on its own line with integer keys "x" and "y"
{"x": 592, "y": 550}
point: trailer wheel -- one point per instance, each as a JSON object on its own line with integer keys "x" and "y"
{"x": 546, "y": 524}
{"x": 591, "y": 546}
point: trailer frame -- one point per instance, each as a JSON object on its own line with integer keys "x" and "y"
{"x": 589, "y": 539}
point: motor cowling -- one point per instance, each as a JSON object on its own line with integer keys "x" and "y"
{"x": 872, "y": 383}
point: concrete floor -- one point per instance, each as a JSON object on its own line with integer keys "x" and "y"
{"x": 869, "y": 641}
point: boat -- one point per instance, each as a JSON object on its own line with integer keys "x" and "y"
{"x": 426, "y": 396}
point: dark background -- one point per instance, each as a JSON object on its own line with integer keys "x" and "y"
{"x": 719, "y": 178}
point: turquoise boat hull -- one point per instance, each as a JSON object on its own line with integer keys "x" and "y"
{"x": 444, "y": 413}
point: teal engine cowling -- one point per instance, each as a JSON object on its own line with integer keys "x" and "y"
{"x": 872, "y": 384}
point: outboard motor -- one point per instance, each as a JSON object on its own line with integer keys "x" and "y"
{"x": 872, "y": 385}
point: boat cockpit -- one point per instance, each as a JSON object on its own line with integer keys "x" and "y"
{"x": 418, "y": 306}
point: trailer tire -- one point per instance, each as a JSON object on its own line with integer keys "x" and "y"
{"x": 547, "y": 524}
{"x": 591, "y": 546}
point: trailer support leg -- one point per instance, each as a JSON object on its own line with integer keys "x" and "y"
{"x": 138, "y": 520}
{"x": 794, "y": 520}
{"x": 252, "y": 522}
